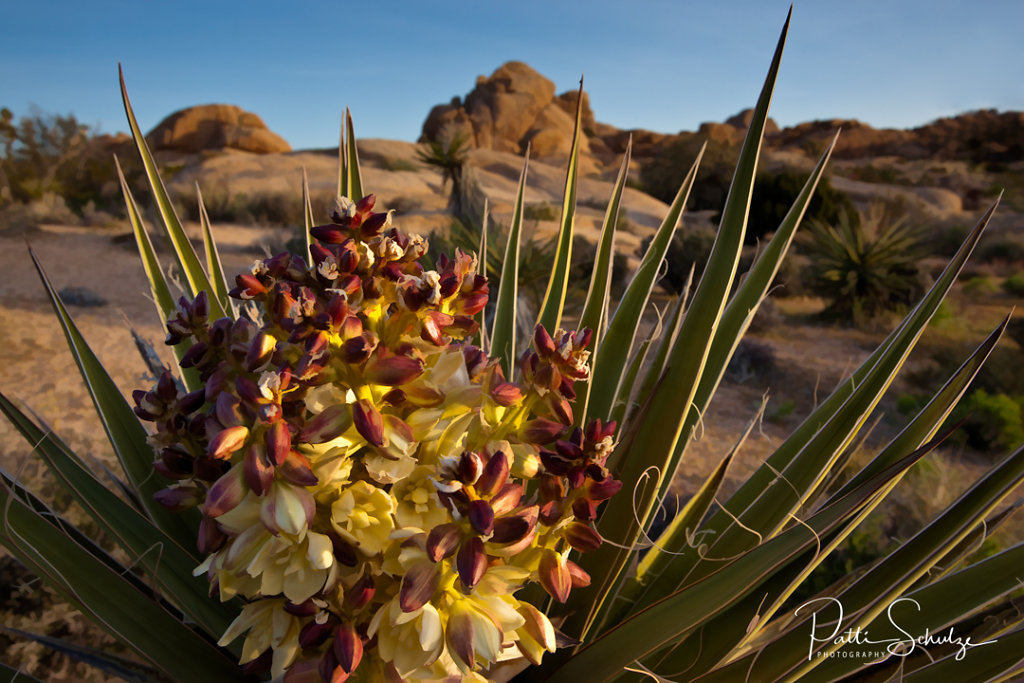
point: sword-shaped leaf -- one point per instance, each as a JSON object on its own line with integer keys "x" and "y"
{"x": 108, "y": 598}
{"x": 185, "y": 255}
{"x": 595, "y": 309}
{"x": 213, "y": 263}
{"x": 503, "y": 338}
{"x": 168, "y": 563}
{"x": 308, "y": 220}
{"x": 550, "y": 316}
{"x": 123, "y": 429}
{"x": 660, "y": 425}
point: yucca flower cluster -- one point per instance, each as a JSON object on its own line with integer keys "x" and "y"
{"x": 369, "y": 481}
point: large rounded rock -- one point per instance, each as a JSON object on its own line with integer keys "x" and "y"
{"x": 215, "y": 126}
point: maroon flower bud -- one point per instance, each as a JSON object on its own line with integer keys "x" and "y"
{"x": 471, "y": 562}
{"x": 506, "y": 394}
{"x": 227, "y": 442}
{"x": 459, "y": 636}
{"x": 372, "y": 225}
{"x": 356, "y": 350}
{"x": 603, "y": 490}
{"x": 368, "y": 422}
{"x": 568, "y": 449}
{"x": 481, "y": 516}
{"x": 559, "y": 407}
{"x": 210, "y": 538}
{"x": 580, "y": 579}
{"x": 507, "y": 498}
{"x": 584, "y": 509}
{"x": 360, "y": 594}
{"x": 344, "y": 553}
{"x": 582, "y": 537}
{"x": 334, "y": 421}
{"x": 328, "y": 666}
{"x": 178, "y": 498}
{"x": 555, "y": 463}
{"x": 393, "y": 371}
{"x": 296, "y": 469}
{"x": 226, "y": 493}
{"x": 365, "y": 204}
{"x": 443, "y": 540}
{"x": 395, "y": 397}
{"x": 348, "y": 647}
{"x": 313, "y": 635}
{"x": 248, "y": 287}
{"x": 226, "y": 409}
{"x": 516, "y": 530}
{"x": 329, "y": 234}
{"x": 554, "y": 575}
{"x": 194, "y": 356}
{"x": 543, "y": 342}
{"x": 541, "y": 431}
{"x": 260, "y": 351}
{"x": 175, "y": 462}
{"x": 279, "y": 442}
{"x": 418, "y": 586}
{"x": 494, "y": 476}
{"x": 471, "y": 466}
{"x": 258, "y": 471}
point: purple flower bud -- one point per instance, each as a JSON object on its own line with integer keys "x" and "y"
{"x": 226, "y": 493}
{"x": 368, "y": 422}
{"x": 329, "y": 234}
{"x": 443, "y": 540}
{"x": 348, "y": 647}
{"x": 194, "y": 356}
{"x": 494, "y": 476}
{"x": 580, "y": 579}
{"x": 296, "y": 470}
{"x": 178, "y": 498}
{"x": 227, "y": 442}
{"x": 471, "y": 562}
{"x": 360, "y": 593}
{"x": 328, "y": 425}
{"x": 582, "y": 537}
{"x": 259, "y": 473}
{"x": 554, "y": 576}
{"x": 603, "y": 490}
{"x": 372, "y": 225}
{"x": 226, "y": 409}
{"x": 314, "y": 635}
{"x": 541, "y": 431}
{"x": 471, "y": 466}
{"x": 507, "y": 498}
{"x": 481, "y": 516}
{"x": 260, "y": 351}
{"x": 393, "y": 371}
{"x": 418, "y": 586}
{"x": 279, "y": 442}
{"x": 211, "y": 538}
{"x": 543, "y": 342}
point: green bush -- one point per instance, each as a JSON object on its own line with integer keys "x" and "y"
{"x": 864, "y": 269}
{"x": 660, "y": 177}
{"x": 774, "y": 194}
{"x": 992, "y": 421}
{"x": 1014, "y": 284}
{"x": 981, "y": 285}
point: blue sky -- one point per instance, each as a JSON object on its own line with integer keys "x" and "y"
{"x": 655, "y": 64}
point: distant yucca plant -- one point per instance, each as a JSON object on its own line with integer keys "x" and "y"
{"x": 375, "y": 498}
{"x": 867, "y": 266}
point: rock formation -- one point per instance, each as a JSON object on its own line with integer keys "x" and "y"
{"x": 215, "y": 126}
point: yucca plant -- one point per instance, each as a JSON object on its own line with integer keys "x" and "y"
{"x": 867, "y": 266}
{"x": 373, "y": 497}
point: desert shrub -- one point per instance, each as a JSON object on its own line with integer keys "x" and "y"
{"x": 878, "y": 174}
{"x": 867, "y": 269}
{"x": 390, "y": 164}
{"x": 662, "y": 175}
{"x": 752, "y": 361}
{"x": 540, "y": 212}
{"x": 1007, "y": 248}
{"x": 264, "y": 208}
{"x": 689, "y": 249}
{"x": 980, "y": 285}
{"x": 403, "y": 205}
{"x": 992, "y": 421}
{"x": 774, "y": 194}
{"x": 1014, "y": 284}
